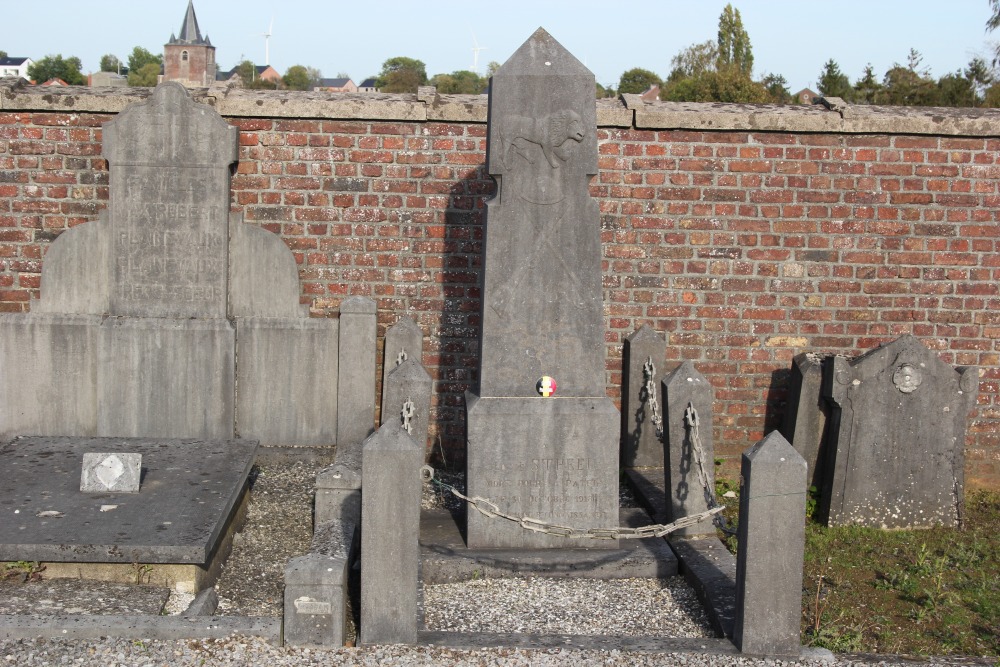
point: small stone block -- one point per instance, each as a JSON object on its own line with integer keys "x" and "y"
{"x": 111, "y": 473}
{"x": 315, "y": 586}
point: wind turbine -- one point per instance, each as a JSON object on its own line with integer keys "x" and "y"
{"x": 475, "y": 53}
{"x": 267, "y": 43}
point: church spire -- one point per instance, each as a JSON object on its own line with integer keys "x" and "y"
{"x": 190, "y": 33}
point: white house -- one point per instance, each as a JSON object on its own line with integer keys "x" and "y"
{"x": 15, "y": 67}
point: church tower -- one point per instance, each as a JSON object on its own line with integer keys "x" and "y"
{"x": 188, "y": 58}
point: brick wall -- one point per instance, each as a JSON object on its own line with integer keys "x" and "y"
{"x": 744, "y": 234}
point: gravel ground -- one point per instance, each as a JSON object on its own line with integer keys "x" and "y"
{"x": 278, "y": 527}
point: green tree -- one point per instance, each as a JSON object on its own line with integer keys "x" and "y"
{"x": 777, "y": 88}
{"x": 459, "y": 82}
{"x": 146, "y": 76}
{"x": 637, "y": 80}
{"x": 833, "y": 82}
{"x": 981, "y": 76}
{"x": 695, "y": 60}
{"x": 992, "y": 24}
{"x": 3, "y": 54}
{"x": 867, "y": 89}
{"x": 300, "y": 77}
{"x": 602, "y": 92}
{"x": 56, "y": 67}
{"x": 110, "y": 63}
{"x": 734, "y": 43}
{"x": 911, "y": 85}
{"x": 401, "y": 75}
{"x": 726, "y": 85}
{"x": 955, "y": 90}
{"x": 141, "y": 65}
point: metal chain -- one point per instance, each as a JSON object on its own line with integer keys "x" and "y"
{"x": 691, "y": 422}
{"x": 490, "y": 510}
{"x": 649, "y": 373}
{"x": 407, "y": 414}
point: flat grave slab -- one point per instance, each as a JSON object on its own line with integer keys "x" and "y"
{"x": 189, "y": 490}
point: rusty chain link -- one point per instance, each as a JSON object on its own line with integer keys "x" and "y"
{"x": 649, "y": 388}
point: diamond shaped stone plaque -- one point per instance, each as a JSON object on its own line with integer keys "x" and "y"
{"x": 111, "y": 473}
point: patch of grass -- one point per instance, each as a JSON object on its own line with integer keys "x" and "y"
{"x": 921, "y": 592}
{"x": 23, "y": 570}
{"x": 924, "y": 592}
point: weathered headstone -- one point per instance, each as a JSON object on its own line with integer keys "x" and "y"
{"x": 542, "y": 434}
{"x": 136, "y": 331}
{"x": 407, "y": 400}
{"x": 771, "y": 547}
{"x": 898, "y": 449}
{"x": 390, "y": 526}
{"x": 403, "y": 340}
{"x": 642, "y": 366}
{"x": 807, "y": 413}
{"x": 105, "y": 472}
{"x": 689, "y": 470}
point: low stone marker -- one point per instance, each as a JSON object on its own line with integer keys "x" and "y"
{"x": 111, "y": 473}
{"x": 772, "y": 544}
{"x": 807, "y": 414}
{"x": 687, "y": 431}
{"x": 403, "y": 340}
{"x": 642, "y": 365}
{"x": 390, "y": 526}
{"x": 899, "y": 443}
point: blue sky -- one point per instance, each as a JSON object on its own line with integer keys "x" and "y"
{"x": 790, "y": 37}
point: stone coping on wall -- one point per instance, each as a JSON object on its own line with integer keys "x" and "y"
{"x": 831, "y": 115}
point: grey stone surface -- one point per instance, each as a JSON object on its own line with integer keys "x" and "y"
{"x": 406, "y": 399}
{"x": 900, "y": 438}
{"x": 167, "y": 378}
{"x": 403, "y": 340}
{"x": 685, "y": 387}
{"x": 48, "y": 374}
{"x": 189, "y": 490}
{"x": 542, "y": 296}
{"x": 390, "y": 525}
{"x": 643, "y": 349}
{"x": 338, "y": 492}
{"x": 287, "y": 378}
{"x": 263, "y": 275}
{"x": 106, "y": 472}
{"x": 356, "y": 380}
{"x": 444, "y": 557}
{"x": 205, "y": 603}
{"x": 315, "y": 594}
{"x": 86, "y": 626}
{"x": 551, "y": 458}
{"x": 77, "y": 271}
{"x": 807, "y": 414}
{"x": 772, "y": 543}
{"x": 52, "y": 597}
{"x": 169, "y": 166}
{"x": 554, "y": 460}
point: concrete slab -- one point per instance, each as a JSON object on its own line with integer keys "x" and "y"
{"x": 474, "y": 640}
{"x": 445, "y": 558}
{"x": 53, "y": 597}
{"x": 139, "y": 627}
{"x": 190, "y": 489}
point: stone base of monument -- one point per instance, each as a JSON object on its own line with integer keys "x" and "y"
{"x": 176, "y": 531}
{"x": 445, "y": 558}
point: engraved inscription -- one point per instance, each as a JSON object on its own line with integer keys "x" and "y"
{"x": 559, "y": 489}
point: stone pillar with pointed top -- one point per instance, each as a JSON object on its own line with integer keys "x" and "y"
{"x": 542, "y": 434}
{"x": 642, "y": 363}
{"x": 403, "y": 340}
{"x": 772, "y": 545}
{"x": 687, "y": 418}
{"x": 407, "y": 400}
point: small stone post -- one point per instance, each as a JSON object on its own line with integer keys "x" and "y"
{"x": 772, "y": 544}
{"x": 644, "y": 349}
{"x": 406, "y": 399}
{"x": 356, "y": 374}
{"x": 403, "y": 340}
{"x": 390, "y": 518}
{"x": 687, "y": 394}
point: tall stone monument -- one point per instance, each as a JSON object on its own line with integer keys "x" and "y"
{"x": 542, "y": 434}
